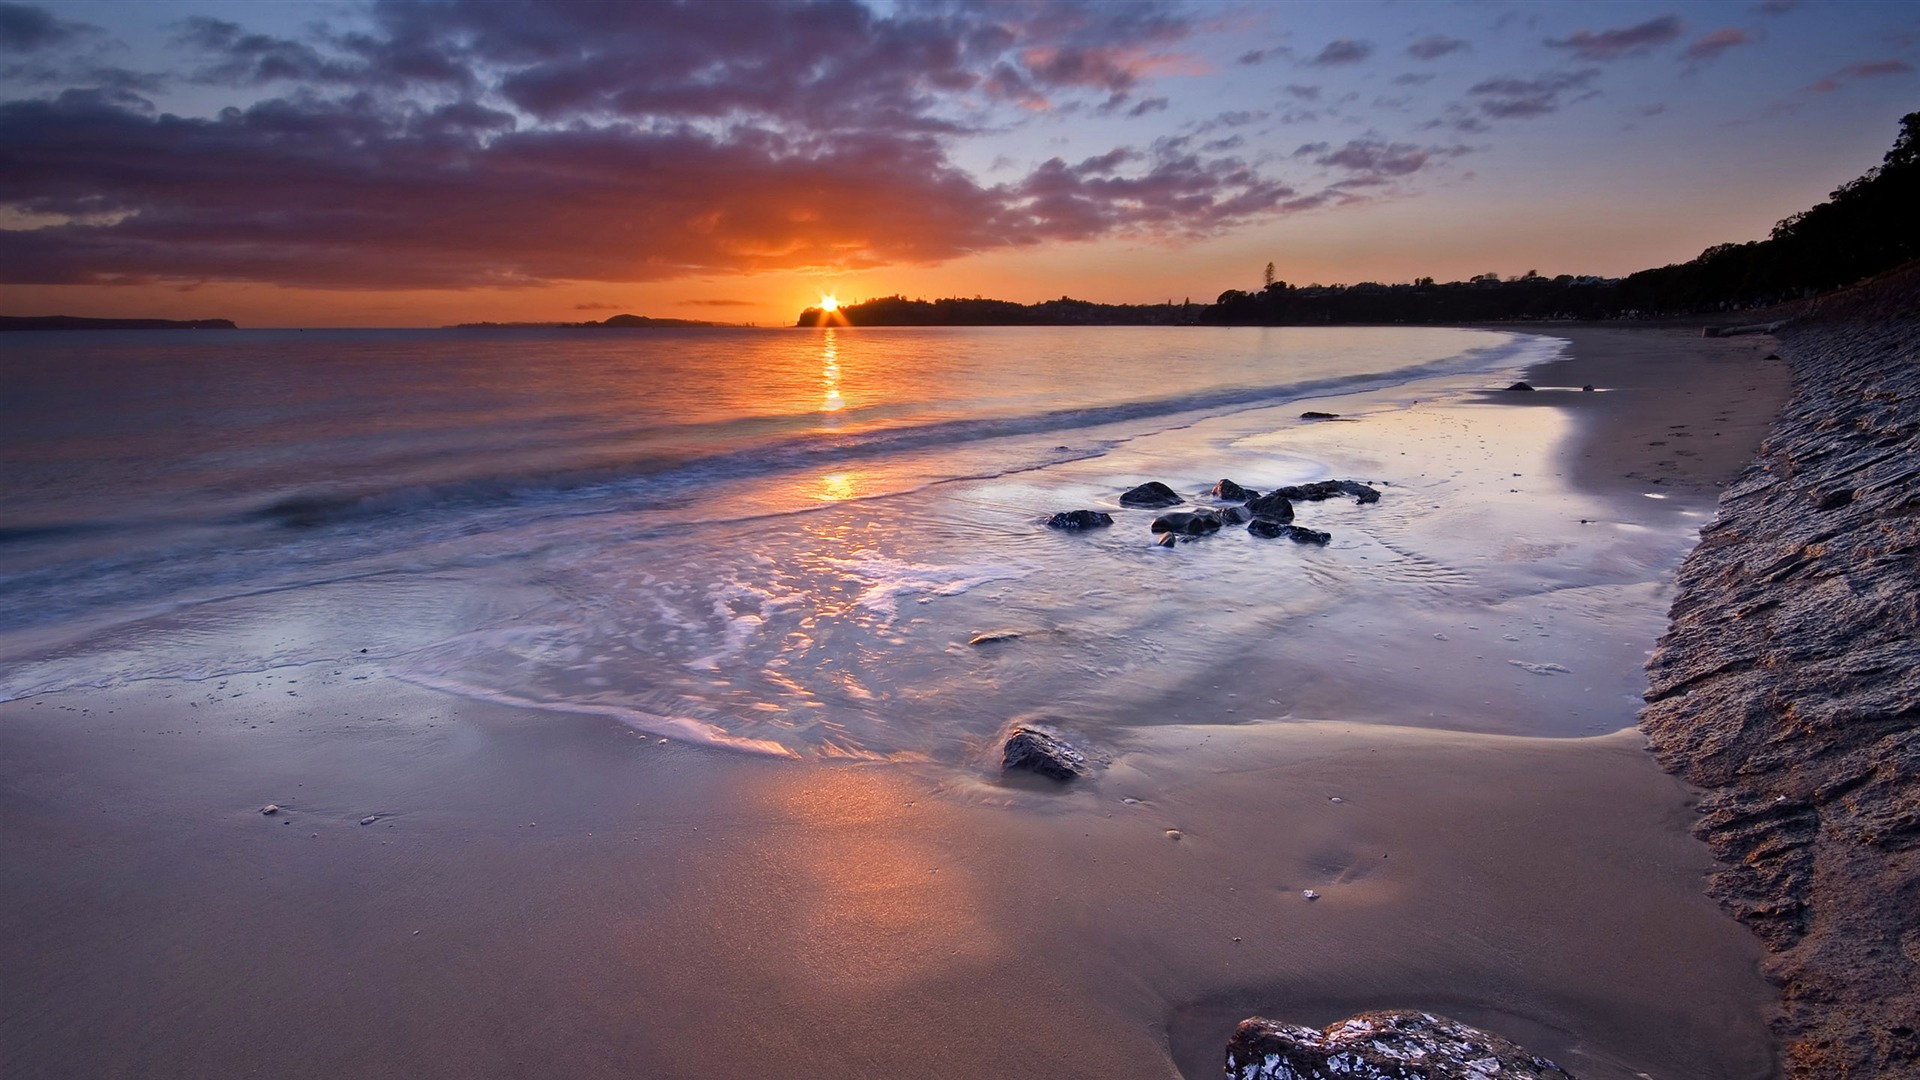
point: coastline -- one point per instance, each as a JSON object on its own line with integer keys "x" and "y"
{"x": 591, "y": 902}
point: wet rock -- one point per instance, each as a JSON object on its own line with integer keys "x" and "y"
{"x": 991, "y": 636}
{"x": 1167, "y": 540}
{"x": 1229, "y": 491}
{"x": 1312, "y": 415}
{"x": 369, "y": 819}
{"x": 1080, "y": 519}
{"x": 1199, "y": 523}
{"x": 1321, "y": 490}
{"x": 1273, "y": 530}
{"x": 1035, "y": 749}
{"x": 1151, "y": 495}
{"x": 1273, "y": 507}
{"x": 1521, "y": 386}
{"x": 270, "y": 809}
{"x": 1587, "y": 389}
{"x": 1380, "y": 1046}
{"x": 1235, "y": 515}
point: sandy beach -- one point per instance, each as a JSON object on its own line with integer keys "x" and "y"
{"x": 456, "y": 888}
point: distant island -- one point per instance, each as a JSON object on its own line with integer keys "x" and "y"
{"x": 75, "y": 322}
{"x": 615, "y": 322}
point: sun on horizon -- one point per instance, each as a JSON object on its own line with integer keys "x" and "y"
{"x": 829, "y": 302}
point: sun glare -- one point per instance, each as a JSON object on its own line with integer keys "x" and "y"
{"x": 829, "y": 303}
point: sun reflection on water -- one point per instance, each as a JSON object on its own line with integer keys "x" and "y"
{"x": 831, "y": 401}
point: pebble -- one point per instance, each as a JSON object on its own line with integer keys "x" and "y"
{"x": 270, "y": 809}
{"x": 1309, "y": 894}
{"x": 1173, "y": 834}
{"x": 370, "y": 819}
{"x": 1335, "y": 798}
{"x": 1131, "y": 802}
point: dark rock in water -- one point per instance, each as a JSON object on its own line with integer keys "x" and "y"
{"x": 1041, "y": 750}
{"x": 1151, "y": 496}
{"x": 1520, "y": 386}
{"x": 1232, "y": 492}
{"x": 1167, "y": 540}
{"x": 1311, "y": 415}
{"x": 1587, "y": 389}
{"x": 1273, "y": 530}
{"x": 1235, "y": 515}
{"x": 1273, "y": 507}
{"x": 1198, "y": 523}
{"x": 1327, "y": 489}
{"x": 1380, "y": 1046}
{"x": 991, "y": 636}
{"x": 1080, "y": 519}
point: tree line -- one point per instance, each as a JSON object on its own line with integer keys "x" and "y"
{"x": 1867, "y": 226}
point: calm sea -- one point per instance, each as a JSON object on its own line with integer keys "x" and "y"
{"x": 777, "y": 539}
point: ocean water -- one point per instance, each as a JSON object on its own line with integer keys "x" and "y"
{"x": 782, "y": 541}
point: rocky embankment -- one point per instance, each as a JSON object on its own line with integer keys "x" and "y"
{"x": 1788, "y": 687}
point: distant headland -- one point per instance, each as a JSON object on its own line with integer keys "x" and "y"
{"x": 75, "y": 322}
{"x": 615, "y": 322}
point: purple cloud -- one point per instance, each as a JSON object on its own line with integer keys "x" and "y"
{"x": 1709, "y": 46}
{"x": 1342, "y": 51}
{"x": 1627, "y": 41}
{"x": 1870, "y": 69}
{"x": 25, "y": 28}
{"x": 1435, "y": 46}
{"x": 1377, "y": 159}
{"x": 1507, "y": 98}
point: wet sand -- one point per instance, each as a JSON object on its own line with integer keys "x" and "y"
{"x": 543, "y": 895}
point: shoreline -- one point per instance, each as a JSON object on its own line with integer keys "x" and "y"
{"x": 545, "y": 895}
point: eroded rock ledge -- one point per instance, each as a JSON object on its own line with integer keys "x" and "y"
{"x": 1788, "y": 687}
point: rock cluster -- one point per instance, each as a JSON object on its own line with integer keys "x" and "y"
{"x": 1788, "y": 686}
{"x": 1380, "y": 1046}
{"x": 1268, "y": 516}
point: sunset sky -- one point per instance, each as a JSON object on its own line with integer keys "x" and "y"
{"x": 415, "y": 164}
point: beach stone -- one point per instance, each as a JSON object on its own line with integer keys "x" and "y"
{"x": 1273, "y": 507}
{"x": 1321, "y": 490}
{"x": 1313, "y": 415}
{"x": 1198, "y": 523}
{"x": 1036, "y": 749}
{"x": 1521, "y": 386}
{"x": 1080, "y": 519}
{"x": 1151, "y": 495}
{"x": 1235, "y": 515}
{"x": 270, "y": 809}
{"x": 1273, "y": 530}
{"x": 1396, "y": 1045}
{"x": 1231, "y": 492}
{"x": 991, "y": 636}
{"x": 1167, "y": 540}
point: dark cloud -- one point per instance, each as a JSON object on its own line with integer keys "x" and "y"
{"x": 1253, "y": 56}
{"x": 1412, "y": 79}
{"x": 719, "y": 302}
{"x": 1343, "y": 51}
{"x": 1627, "y": 41}
{"x": 1507, "y": 98}
{"x": 462, "y": 143}
{"x": 1305, "y": 93}
{"x": 1435, "y": 46}
{"x": 1376, "y": 159}
{"x": 1709, "y": 46}
{"x": 25, "y": 28}
{"x": 1870, "y": 69}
